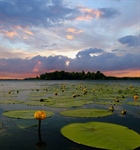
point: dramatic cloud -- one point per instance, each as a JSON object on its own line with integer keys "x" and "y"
{"x": 47, "y": 13}
{"x": 130, "y": 40}
{"x": 36, "y": 64}
{"x": 36, "y": 12}
{"x": 106, "y": 62}
{"x": 103, "y": 62}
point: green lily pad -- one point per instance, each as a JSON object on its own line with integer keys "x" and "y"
{"x": 24, "y": 114}
{"x": 87, "y": 113}
{"x": 107, "y": 103}
{"x": 102, "y": 135}
{"x": 134, "y": 103}
{"x": 24, "y": 124}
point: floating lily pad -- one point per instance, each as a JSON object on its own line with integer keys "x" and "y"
{"x": 11, "y": 101}
{"x": 71, "y": 103}
{"x": 87, "y": 113}
{"x": 107, "y": 103}
{"x": 27, "y": 124}
{"x": 134, "y": 103}
{"x": 102, "y": 135}
{"x": 24, "y": 114}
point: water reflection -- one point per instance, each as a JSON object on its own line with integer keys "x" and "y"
{"x": 135, "y": 100}
{"x": 40, "y": 144}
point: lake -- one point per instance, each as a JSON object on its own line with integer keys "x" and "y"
{"x": 26, "y": 95}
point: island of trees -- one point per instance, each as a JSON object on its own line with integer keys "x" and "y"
{"x": 62, "y": 75}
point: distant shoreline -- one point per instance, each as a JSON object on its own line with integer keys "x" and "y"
{"x": 62, "y": 75}
{"x": 107, "y": 78}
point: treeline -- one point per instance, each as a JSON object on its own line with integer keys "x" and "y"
{"x": 62, "y": 75}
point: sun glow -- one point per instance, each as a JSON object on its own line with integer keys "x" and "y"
{"x": 123, "y": 73}
{"x": 67, "y": 63}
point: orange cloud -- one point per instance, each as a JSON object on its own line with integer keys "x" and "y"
{"x": 11, "y": 34}
{"x": 28, "y": 32}
{"x": 24, "y": 32}
{"x": 70, "y": 37}
{"x": 88, "y": 14}
{"x": 72, "y": 30}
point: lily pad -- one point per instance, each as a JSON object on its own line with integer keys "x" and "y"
{"x": 24, "y": 124}
{"x": 87, "y": 113}
{"x": 102, "y": 135}
{"x": 134, "y": 103}
{"x": 24, "y": 114}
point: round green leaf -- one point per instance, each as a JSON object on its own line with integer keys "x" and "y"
{"x": 86, "y": 113}
{"x": 102, "y": 135}
{"x": 24, "y": 114}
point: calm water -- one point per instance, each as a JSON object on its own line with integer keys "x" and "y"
{"x": 15, "y": 138}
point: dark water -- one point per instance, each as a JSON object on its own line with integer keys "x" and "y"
{"x": 50, "y": 138}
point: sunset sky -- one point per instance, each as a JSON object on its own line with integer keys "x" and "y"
{"x": 38, "y": 36}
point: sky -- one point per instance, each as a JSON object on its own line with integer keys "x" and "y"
{"x": 39, "y": 36}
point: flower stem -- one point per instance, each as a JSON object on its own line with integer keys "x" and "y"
{"x": 39, "y": 125}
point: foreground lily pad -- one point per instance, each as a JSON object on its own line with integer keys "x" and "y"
{"x": 102, "y": 135}
{"x": 87, "y": 113}
{"x": 24, "y": 114}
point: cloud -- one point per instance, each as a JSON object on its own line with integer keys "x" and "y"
{"x": 88, "y": 52}
{"x": 41, "y": 64}
{"x": 106, "y": 62}
{"x": 17, "y": 33}
{"x": 88, "y": 14}
{"x": 74, "y": 31}
{"x": 70, "y": 37}
{"x": 130, "y": 40}
{"x": 37, "y": 13}
{"x": 37, "y": 64}
{"x": 109, "y": 12}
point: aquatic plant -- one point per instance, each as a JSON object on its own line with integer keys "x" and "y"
{"x": 136, "y": 96}
{"x": 123, "y": 112}
{"x": 86, "y": 113}
{"x": 40, "y": 115}
{"x": 102, "y": 135}
{"x": 111, "y": 108}
{"x": 23, "y": 114}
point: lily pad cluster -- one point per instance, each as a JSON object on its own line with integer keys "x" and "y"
{"x": 72, "y": 95}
